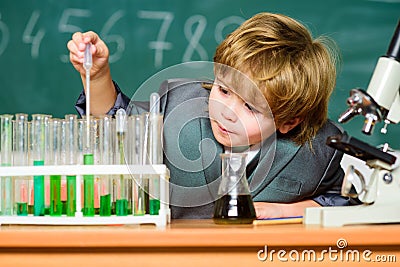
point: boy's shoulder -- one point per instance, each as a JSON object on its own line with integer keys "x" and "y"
{"x": 331, "y": 128}
{"x": 187, "y": 94}
{"x": 184, "y": 87}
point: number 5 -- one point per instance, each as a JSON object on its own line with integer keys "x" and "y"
{"x": 65, "y": 27}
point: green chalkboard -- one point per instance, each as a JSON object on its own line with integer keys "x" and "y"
{"x": 146, "y": 36}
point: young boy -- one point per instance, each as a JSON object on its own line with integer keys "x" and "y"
{"x": 270, "y": 58}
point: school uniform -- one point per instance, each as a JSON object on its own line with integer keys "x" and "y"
{"x": 280, "y": 171}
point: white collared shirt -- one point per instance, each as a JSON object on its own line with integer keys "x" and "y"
{"x": 251, "y": 151}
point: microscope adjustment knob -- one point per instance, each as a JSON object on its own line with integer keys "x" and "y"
{"x": 388, "y": 178}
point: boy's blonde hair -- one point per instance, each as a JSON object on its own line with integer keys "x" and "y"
{"x": 295, "y": 72}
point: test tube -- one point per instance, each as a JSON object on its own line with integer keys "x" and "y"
{"x": 121, "y": 182}
{"x": 40, "y": 147}
{"x": 88, "y": 159}
{"x": 47, "y": 147}
{"x": 155, "y": 158}
{"x": 146, "y": 159}
{"x": 30, "y": 181}
{"x": 106, "y": 152}
{"x": 55, "y": 159}
{"x": 81, "y": 144}
{"x": 106, "y": 158}
{"x": 155, "y": 151}
{"x": 20, "y": 140}
{"x": 6, "y": 160}
{"x": 136, "y": 139}
{"x": 71, "y": 133}
{"x": 95, "y": 135}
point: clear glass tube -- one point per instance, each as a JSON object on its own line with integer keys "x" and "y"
{"x": 71, "y": 156}
{"x": 55, "y": 159}
{"x": 146, "y": 159}
{"x": 89, "y": 159}
{"x": 155, "y": 157}
{"x": 6, "y": 160}
{"x": 40, "y": 147}
{"x": 30, "y": 181}
{"x": 81, "y": 142}
{"x": 20, "y": 144}
{"x": 121, "y": 182}
{"x": 106, "y": 152}
{"x": 135, "y": 157}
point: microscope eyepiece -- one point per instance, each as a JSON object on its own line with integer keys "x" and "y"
{"x": 394, "y": 46}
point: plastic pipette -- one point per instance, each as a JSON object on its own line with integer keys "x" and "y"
{"x": 87, "y": 65}
{"x": 88, "y": 182}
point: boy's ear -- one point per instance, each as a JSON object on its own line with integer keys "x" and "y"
{"x": 289, "y": 125}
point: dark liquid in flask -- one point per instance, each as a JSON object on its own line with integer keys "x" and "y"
{"x": 231, "y": 209}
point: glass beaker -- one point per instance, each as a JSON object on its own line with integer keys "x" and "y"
{"x": 235, "y": 204}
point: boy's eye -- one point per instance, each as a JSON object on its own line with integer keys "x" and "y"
{"x": 250, "y": 108}
{"x": 223, "y": 90}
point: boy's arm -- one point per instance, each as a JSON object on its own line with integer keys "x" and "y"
{"x": 102, "y": 91}
{"x": 122, "y": 101}
{"x": 273, "y": 210}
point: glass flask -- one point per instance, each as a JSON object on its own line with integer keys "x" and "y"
{"x": 235, "y": 204}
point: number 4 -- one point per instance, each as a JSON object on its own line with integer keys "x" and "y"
{"x": 29, "y": 38}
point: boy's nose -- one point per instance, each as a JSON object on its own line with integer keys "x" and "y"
{"x": 229, "y": 112}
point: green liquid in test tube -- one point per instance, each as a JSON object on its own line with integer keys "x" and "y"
{"x": 22, "y": 209}
{"x": 105, "y": 205}
{"x": 122, "y": 207}
{"x": 55, "y": 195}
{"x": 88, "y": 187}
{"x": 38, "y": 184}
{"x": 154, "y": 206}
{"x": 71, "y": 195}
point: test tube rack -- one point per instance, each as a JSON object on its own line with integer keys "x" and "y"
{"x": 160, "y": 220}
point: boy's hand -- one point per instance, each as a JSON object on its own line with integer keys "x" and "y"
{"x": 265, "y": 210}
{"x": 99, "y": 49}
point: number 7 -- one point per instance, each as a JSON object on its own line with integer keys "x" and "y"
{"x": 160, "y": 44}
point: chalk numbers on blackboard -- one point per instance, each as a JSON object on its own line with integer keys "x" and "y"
{"x": 193, "y": 30}
{"x": 31, "y": 37}
{"x": 4, "y": 36}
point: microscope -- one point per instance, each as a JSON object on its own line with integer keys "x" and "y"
{"x": 380, "y": 194}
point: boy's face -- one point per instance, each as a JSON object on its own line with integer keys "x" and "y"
{"x": 235, "y": 121}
